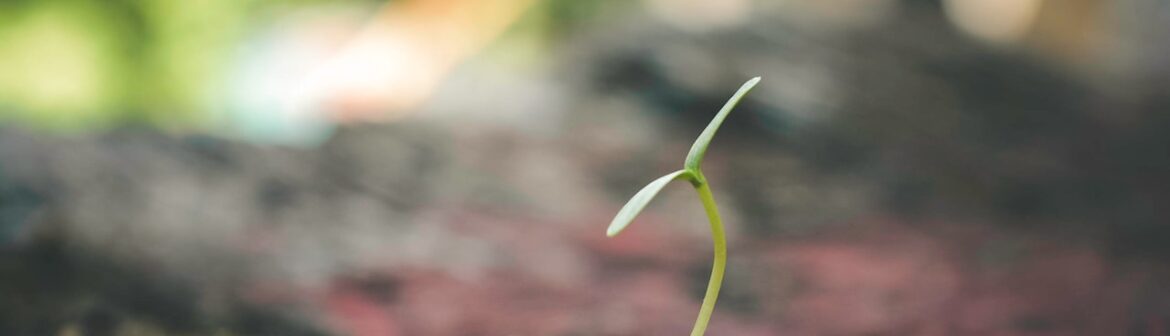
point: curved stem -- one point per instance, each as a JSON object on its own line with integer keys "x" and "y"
{"x": 720, "y": 262}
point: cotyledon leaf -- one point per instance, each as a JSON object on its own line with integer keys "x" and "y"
{"x": 692, "y": 173}
{"x": 639, "y": 201}
{"x": 695, "y": 156}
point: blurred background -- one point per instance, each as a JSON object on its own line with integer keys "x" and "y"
{"x": 447, "y": 167}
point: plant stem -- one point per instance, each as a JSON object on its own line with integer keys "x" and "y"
{"x": 720, "y": 263}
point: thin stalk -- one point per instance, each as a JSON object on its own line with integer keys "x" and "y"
{"x": 720, "y": 263}
{"x": 693, "y": 174}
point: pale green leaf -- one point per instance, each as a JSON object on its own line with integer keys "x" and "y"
{"x": 639, "y": 201}
{"x": 695, "y": 156}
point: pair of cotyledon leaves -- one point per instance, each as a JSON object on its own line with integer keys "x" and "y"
{"x": 690, "y": 171}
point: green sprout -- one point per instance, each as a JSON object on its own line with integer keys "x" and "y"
{"x": 692, "y": 173}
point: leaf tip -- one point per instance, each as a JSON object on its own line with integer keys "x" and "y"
{"x": 612, "y": 231}
{"x": 617, "y": 226}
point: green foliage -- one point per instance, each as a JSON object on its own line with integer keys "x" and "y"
{"x": 639, "y": 201}
{"x": 691, "y": 172}
{"x": 78, "y": 64}
{"x": 699, "y": 149}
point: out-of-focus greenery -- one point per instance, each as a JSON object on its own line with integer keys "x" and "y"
{"x": 75, "y": 64}
{"x": 68, "y": 64}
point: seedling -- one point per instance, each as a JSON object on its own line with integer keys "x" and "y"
{"x": 691, "y": 172}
